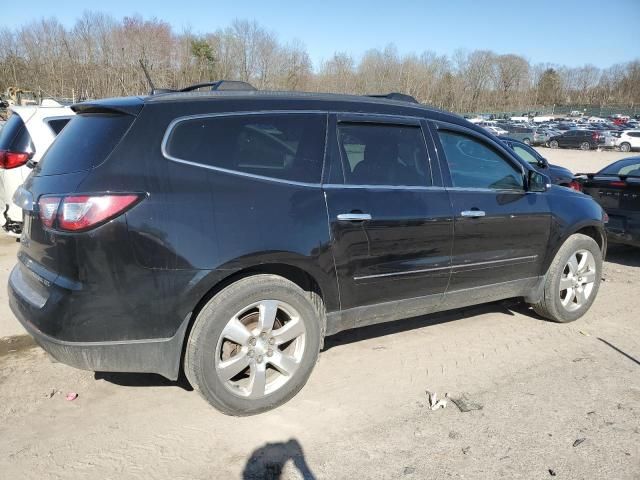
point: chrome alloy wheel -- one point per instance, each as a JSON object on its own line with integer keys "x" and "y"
{"x": 260, "y": 349}
{"x": 577, "y": 280}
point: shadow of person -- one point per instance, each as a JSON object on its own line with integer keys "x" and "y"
{"x": 267, "y": 462}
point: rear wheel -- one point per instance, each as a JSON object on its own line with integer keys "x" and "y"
{"x": 553, "y": 144}
{"x": 585, "y": 146}
{"x": 254, "y": 345}
{"x": 625, "y": 147}
{"x": 527, "y": 141}
{"x": 572, "y": 281}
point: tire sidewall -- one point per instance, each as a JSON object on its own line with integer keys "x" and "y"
{"x": 574, "y": 244}
{"x": 214, "y": 317}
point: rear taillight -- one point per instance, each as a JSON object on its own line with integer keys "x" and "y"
{"x": 9, "y": 160}
{"x": 76, "y": 213}
{"x": 48, "y": 207}
{"x": 617, "y": 183}
{"x": 575, "y": 185}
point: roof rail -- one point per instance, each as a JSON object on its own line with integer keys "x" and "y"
{"x": 221, "y": 85}
{"x": 396, "y": 96}
{"x": 217, "y": 85}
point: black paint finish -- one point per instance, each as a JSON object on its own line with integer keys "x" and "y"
{"x": 138, "y": 279}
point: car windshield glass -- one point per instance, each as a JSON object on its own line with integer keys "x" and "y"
{"x": 629, "y": 166}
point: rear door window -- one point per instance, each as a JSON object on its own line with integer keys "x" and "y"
{"x": 284, "y": 146}
{"x": 85, "y": 142}
{"x": 384, "y": 154}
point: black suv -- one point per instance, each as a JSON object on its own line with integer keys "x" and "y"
{"x": 228, "y": 232}
{"x": 582, "y": 139}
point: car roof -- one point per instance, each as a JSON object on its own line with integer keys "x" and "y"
{"x": 134, "y": 104}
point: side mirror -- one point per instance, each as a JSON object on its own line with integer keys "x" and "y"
{"x": 537, "y": 182}
{"x": 542, "y": 162}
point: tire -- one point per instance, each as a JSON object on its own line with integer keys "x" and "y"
{"x": 553, "y": 144}
{"x": 209, "y": 345}
{"x": 555, "y": 304}
{"x": 527, "y": 141}
{"x": 585, "y": 146}
{"x": 625, "y": 147}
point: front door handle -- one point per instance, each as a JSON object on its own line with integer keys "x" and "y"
{"x": 472, "y": 213}
{"x": 354, "y": 217}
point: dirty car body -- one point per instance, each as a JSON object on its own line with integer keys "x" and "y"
{"x": 121, "y": 292}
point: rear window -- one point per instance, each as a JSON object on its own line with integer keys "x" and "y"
{"x": 15, "y": 137}
{"x": 85, "y": 142}
{"x": 283, "y": 146}
{"x": 57, "y": 124}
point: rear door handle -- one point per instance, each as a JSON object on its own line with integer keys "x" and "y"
{"x": 354, "y": 217}
{"x": 472, "y": 213}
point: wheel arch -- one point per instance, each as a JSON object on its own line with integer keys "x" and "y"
{"x": 300, "y": 273}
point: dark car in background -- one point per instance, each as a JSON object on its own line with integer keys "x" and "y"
{"x": 582, "y": 139}
{"x": 617, "y": 189}
{"x": 558, "y": 175}
{"x": 227, "y": 233}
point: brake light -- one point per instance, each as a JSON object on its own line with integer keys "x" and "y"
{"x": 575, "y": 185}
{"x": 9, "y": 160}
{"x": 82, "y": 212}
{"x": 48, "y": 207}
{"x": 617, "y": 183}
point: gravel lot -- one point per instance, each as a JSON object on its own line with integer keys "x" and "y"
{"x": 559, "y": 400}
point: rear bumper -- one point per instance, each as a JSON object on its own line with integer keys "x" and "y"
{"x": 30, "y": 305}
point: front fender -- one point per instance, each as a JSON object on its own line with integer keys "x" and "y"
{"x": 573, "y": 212}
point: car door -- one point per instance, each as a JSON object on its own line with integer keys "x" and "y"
{"x": 567, "y": 139}
{"x": 500, "y": 230}
{"x": 390, "y": 218}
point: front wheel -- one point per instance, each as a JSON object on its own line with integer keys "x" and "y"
{"x": 527, "y": 141}
{"x": 553, "y": 144}
{"x": 254, "y": 345}
{"x": 585, "y": 146}
{"x": 572, "y": 281}
{"x": 625, "y": 147}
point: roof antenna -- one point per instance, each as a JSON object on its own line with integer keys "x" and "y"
{"x": 146, "y": 74}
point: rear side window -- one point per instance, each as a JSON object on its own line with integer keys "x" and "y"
{"x": 57, "y": 124}
{"x": 283, "y": 146}
{"x": 14, "y": 136}
{"x": 376, "y": 154}
{"x": 85, "y": 142}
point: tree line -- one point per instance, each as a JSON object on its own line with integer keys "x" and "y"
{"x": 100, "y": 56}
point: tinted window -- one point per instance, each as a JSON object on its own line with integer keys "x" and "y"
{"x": 85, "y": 142}
{"x": 15, "y": 137}
{"x": 634, "y": 134}
{"x": 624, "y": 167}
{"x": 284, "y": 146}
{"x": 473, "y": 164}
{"x": 58, "y": 124}
{"x": 384, "y": 154}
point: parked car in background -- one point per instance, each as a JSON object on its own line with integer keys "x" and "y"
{"x": 229, "y": 232}
{"x": 628, "y": 140}
{"x": 617, "y": 189}
{"x": 496, "y": 130}
{"x": 523, "y": 133}
{"x": 582, "y": 139}
{"x": 558, "y": 175}
{"x": 24, "y": 139}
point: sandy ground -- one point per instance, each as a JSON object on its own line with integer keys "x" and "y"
{"x": 555, "y": 398}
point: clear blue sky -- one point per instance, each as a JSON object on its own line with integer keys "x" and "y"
{"x": 570, "y": 32}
